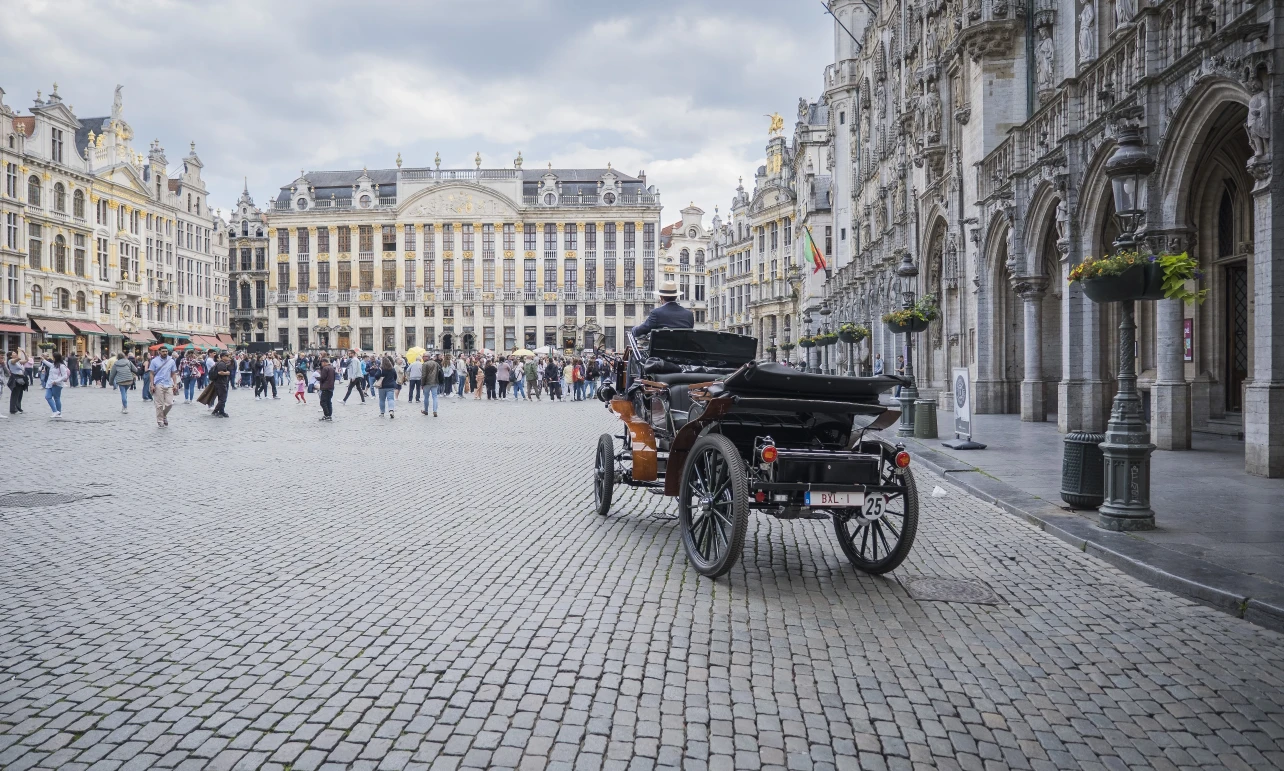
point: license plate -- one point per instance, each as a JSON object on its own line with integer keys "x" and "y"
{"x": 828, "y": 499}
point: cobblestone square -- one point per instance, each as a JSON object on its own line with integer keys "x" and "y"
{"x": 270, "y": 591}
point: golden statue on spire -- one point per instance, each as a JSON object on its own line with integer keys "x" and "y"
{"x": 777, "y": 125}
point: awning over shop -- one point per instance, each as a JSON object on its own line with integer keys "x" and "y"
{"x": 86, "y": 328}
{"x": 206, "y": 341}
{"x": 226, "y": 339}
{"x": 111, "y": 331}
{"x": 54, "y": 328}
{"x": 16, "y": 329}
{"x": 141, "y": 337}
{"x": 179, "y": 336}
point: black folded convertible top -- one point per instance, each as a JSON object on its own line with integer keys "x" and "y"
{"x": 772, "y": 379}
{"x": 703, "y": 347}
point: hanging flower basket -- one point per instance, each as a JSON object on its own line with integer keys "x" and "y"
{"x": 909, "y": 325}
{"x": 806, "y": 342}
{"x": 913, "y": 319}
{"x": 850, "y": 333}
{"x": 1129, "y": 276}
{"x": 786, "y": 347}
{"x": 827, "y": 338}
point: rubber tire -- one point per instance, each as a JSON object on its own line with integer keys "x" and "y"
{"x": 739, "y": 486}
{"x": 909, "y": 528}
{"x": 604, "y": 474}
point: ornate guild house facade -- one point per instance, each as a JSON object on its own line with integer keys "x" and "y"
{"x": 967, "y": 143}
{"x": 448, "y": 259}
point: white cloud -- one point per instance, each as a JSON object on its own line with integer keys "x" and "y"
{"x": 675, "y": 87}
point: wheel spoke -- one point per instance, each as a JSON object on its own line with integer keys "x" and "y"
{"x": 863, "y": 529}
{"x": 878, "y": 531}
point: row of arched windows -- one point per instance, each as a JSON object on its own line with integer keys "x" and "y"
{"x": 62, "y": 299}
{"x": 35, "y": 191}
{"x": 684, "y": 258}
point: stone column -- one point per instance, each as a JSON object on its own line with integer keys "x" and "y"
{"x": 1170, "y": 413}
{"x": 1264, "y": 396}
{"x": 1034, "y": 406}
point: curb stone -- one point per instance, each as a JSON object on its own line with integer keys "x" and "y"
{"x": 1243, "y": 596}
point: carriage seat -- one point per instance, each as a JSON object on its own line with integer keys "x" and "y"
{"x": 683, "y": 378}
{"x": 671, "y": 374}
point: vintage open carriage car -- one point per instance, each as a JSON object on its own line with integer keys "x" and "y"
{"x": 725, "y": 434}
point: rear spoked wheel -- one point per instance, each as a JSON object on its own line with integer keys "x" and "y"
{"x": 713, "y": 505}
{"x": 604, "y": 474}
{"x": 878, "y": 537}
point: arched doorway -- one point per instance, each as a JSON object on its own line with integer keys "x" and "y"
{"x": 934, "y": 354}
{"x": 469, "y": 341}
{"x": 448, "y": 342}
{"x": 1001, "y": 328}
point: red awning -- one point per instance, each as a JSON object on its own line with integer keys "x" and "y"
{"x": 55, "y": 328}
{"x": 141, "y": 337}
{"x": 111, "y": 331}
{"x": 202, "y": 341}
{"x": 86, "y": 328}
{"x": 16, "y": 328}
{"x": 226, "y": 339}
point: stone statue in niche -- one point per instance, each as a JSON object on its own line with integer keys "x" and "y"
{"x": 1088, "y": 33}
{"x": 1124, "y": 11}
{"x": 932, "y": 115}
{"x": 1044, "y": 51}
{"x": 930, "y": 45}
{"x": 1258, "y": 123}
{"x": 802, "y": 109}
{"x": 1063, "y": 220}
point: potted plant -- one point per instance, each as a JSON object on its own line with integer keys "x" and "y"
{"x": 915, "y": 318}
{"x": 807, "y": 341}
{"x": 852, "y": 333}
{"x": 828, "y": 338}
{"x": 1129, "y": 276}
{"x": 786, "y": 347}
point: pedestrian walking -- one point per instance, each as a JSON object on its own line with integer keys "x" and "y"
{"x": 73, "y": 366}
{"x": 164, "y": 384}
{"x": 878, "y": 364}
{"x": 300, "y": 389}
{"x": 123, "y": 374}
{"x": 533, "y": 380}
{"x": 503, "y": 371}
{"x": 19, "y": 381}
{"x": 269, "y": 375}
{"x": 489, "y": 373}
{"x": 356, "y": 378}
{"x": 221, "y": 376}
{"x": 387, "y": 379}
{"x": 552, "y": 380}
{"x": 57, "y": 376}
{"x": 432, "y": 375}
{"x": 414, "y": 379}
{"x": 519, "y": 381}
{"x": 325, "y": 385}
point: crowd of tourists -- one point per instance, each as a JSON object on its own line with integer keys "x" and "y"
{"x": 424, "y": 380}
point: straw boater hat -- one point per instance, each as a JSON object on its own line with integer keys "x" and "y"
{"x": 668, "y": 290}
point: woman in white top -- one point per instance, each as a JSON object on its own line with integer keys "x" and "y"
{"x": 59, "y": 376}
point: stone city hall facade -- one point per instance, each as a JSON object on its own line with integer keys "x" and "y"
{"x": 447, "y": 259}
{"x": 973, "y": 135}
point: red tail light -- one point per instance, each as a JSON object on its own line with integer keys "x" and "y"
{"x": 760, "y": 496}
{"x": 902, "y": 459}
{"x": 769, "y": 454}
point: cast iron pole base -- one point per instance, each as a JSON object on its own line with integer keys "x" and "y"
{"x": 1127, "y": 447}
{"x": 909, "y": 394}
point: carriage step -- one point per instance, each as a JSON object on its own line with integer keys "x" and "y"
{"x": 797, "y": 512}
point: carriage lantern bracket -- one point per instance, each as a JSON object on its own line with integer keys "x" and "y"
{"x": 908, "y": 273}
{"x": 1127, "y": 447}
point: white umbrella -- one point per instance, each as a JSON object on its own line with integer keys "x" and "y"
{"x": 543, "y": 350}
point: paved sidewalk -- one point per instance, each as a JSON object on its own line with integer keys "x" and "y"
{"x": 1220, "y": 535}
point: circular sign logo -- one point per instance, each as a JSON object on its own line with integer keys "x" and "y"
{"x": 960, "y": 391}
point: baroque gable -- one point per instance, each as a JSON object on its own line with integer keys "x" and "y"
{"x": 458, "y": 201}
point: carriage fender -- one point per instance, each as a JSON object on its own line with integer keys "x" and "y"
{"x": 641, "y": 439}
{"x": 686, "y": 437}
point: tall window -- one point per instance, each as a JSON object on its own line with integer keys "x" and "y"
{"x": 282, "y": 241}
{"x": 430, "y": 243}
{"x": 389, "y": 276}
{"x": 345, "y": 276}
{"x": 305, "y": 275}
{"x": 102, "y": 259}
{"x": 590, "y": 272}
{"x": 78, "y": 204}
{"x": 409, "y": 238}
{"x": 37, "y": 297}
{"x": 510, "y": 237}
{"x": 529, "y": 271}
{"x": 365, "y": 239}
{"x": 469, "y": 279}
{"x": 430, "y": 271}
{"x": 260, "y": 294}
{"x": 550, "y": 274}
{"x": 570, "y": 276}
{"x": 488, "y": 240}
{"x": 550, "y": 238}
{"x": 510, "y": 275}
{"x": 630, "y": 237}
{"x": 630, "y": 271}
{"x": 35, "y": 246}
{"x": 55, "y": 136}
{"x": 448, "y": 275}
{"x": 571, "y": 236}
{"x": 365, "y": 275}
{"x": 448, "y": 237}
{"x": 590, "y": 236}
{"x": 648, "y": 236}
{"x": 648, "y": 273}
{"x": 260, "y": 258}
{"x": 529, "y": 235}
{"x": 345, "y": 239}
{"x": 789, "y": 233}
{"x": 11, "y": 230}
{"x": 81, "y": 305}
{"x": 79, "y": 255}
{"x": 775, "y": 236}
{"x": 60, "y": 254}
{"x": 608, "y": 237}
{"x": 33, "y": 190}
{"x": 305, "y": 242}
{"x": 488, "y": 274}
{"x": 684, "y": 258}
{"x": 389, "y": 238}
{"x": 11, "y": 180}
{"x": 323, "y": 240}
{"x": 60, "y": 198}
{"x": 467, "y": 238}
{"x": 608, "y": 271}
{"x": 408, "y": 277}
{"x": 283, "y": 276}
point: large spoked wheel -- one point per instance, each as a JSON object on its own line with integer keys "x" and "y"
{"x": 878, "y": 537}
{"x": 604, "y": 474}
{"x": 713, "y": 505}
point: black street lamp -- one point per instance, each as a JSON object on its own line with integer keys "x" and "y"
{"x": 807, "y": 351}
{"x": 908, "y": 273}
{"x": 1127, "y": 447}
{"x": 824, "y": 328}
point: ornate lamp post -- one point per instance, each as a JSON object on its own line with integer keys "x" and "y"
{"x": 908, "y": 273}
{"x": 806, "y": 360}
{"x": 824, "y": 327}
{"x": 1127, "y": 447}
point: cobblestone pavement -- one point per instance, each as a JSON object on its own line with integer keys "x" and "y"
{"x": 273, "y": 592}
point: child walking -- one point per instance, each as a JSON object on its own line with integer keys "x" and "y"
{"x": 300, "y": 388}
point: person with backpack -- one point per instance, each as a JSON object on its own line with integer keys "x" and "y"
{"x": 123, "y": 374}
{"x": 532, "y": 379}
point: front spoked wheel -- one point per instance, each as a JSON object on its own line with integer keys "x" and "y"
{"x": 878, "y": 537}
{"x": 713, "y": 505}
{"x": 604, "y": 474}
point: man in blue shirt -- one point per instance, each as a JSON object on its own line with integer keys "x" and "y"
{"x": 164, "y": 385}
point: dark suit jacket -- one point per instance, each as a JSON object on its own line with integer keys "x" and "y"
{"x": 666, "y": 316}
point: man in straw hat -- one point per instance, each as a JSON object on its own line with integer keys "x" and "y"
{"x": 668, "y": 314}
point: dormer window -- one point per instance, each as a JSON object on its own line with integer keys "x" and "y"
{"x": 33, "y": 190}
{"x": 245, "y": 227}
{"x": 692, "y": 233}
{"x": 550, "y": 199}
{"x": 608, "y": 199}
{"x": 302, "y": 204}
{"x": 364, "y": 200}
{"x": 55, "y": 149}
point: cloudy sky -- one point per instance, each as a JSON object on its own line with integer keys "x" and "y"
{"x": 266, "y": 88}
